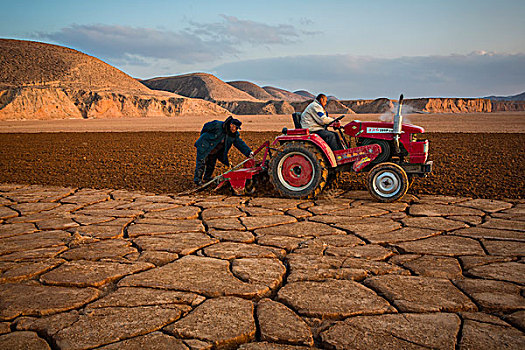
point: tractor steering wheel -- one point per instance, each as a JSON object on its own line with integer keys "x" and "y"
{"x": 333, "y": 121}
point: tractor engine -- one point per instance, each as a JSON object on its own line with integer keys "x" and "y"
{"x": 400, "y": 143}
{"x": 412, "y": 149}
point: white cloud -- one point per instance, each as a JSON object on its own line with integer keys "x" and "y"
{"x": 120, "y": 42}
{"x": 199, "y": 43}
{"x": 346, "y": 76}
{"x": 237, "y": 31}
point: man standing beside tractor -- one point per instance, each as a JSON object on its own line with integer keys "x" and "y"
{"x": 315, "y": 119}
{"x": 216, "y": 139}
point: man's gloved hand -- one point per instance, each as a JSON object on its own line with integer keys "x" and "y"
{"x": 336, "y": 124}
{"x": 251, "y": 155}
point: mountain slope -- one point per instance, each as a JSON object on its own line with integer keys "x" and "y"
{"x": 285, "y": 95}
{"x": 518, "y": 97}
{"x": 44, "y": 81}
{"x": 252, "y": 89}
{"x": 305, "y": 93}
{"x": 199, "y": 85}
{"x": 30, "y": 63}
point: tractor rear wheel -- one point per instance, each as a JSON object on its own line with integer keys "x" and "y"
{"x": 386, "y": 149}
{"x": 387, "y": 182}
{"x": 299, "y": 171}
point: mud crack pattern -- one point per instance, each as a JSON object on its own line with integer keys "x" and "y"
{"x": 83, "y": 268}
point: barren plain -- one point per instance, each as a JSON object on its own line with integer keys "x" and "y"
{"x": 505, "y": 122}
{"x": 475, "y": 155}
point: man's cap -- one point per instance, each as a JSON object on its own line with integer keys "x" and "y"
{"x": 237, "y": 123}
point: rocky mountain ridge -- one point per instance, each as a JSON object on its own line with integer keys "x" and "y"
{"x": 272, "y": 100}
{"x": 332, "y": 107}
{"x": 508, "y": 106}
{"x": 60, "y": 103}
{"x": 199, "y": 85}
{"x": 518, "y": 97}
{"x": 379, "y": 105}
{"x": 285, "y": 95}
{"x": 238, "y": 97}
{"x": 450, "y": 105}
{"x": 252, "y": 89}
{"x": 259, "y": 107}
{"x": 44, "y": 81}
{"x": 36, "y": 64}
{"x": 305, "y": 93}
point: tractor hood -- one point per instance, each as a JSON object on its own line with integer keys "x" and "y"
{"x": 357, "y": 128}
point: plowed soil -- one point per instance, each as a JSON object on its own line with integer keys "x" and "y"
{"x": 478, "y": 165}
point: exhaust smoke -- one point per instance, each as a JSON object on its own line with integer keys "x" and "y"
{"x": 388, "y": 116}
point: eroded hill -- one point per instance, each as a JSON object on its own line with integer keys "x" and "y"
{"x": 29, "y": 63}
{"x": 285, "y": 95}
{"x": 199, "y": 85}
{"x": 44, "y": 81}
{"x": 252, "y": 89}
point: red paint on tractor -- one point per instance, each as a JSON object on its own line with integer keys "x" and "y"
{"x": 297, "y": 170}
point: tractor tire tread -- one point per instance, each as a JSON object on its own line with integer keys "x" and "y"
{"x": 323, "y": 170}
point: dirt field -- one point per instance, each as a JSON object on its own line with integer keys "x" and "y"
{"x": 508, "y": 122}
{"x": 478, "y": 165}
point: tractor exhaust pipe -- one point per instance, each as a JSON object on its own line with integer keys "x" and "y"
{"x": 398, "y": 121}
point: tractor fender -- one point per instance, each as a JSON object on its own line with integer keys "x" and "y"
{"x": 310, "y": 138}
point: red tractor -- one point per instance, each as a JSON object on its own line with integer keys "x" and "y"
{"x": 391, "y": 152}
{"x": 301, "y": 165}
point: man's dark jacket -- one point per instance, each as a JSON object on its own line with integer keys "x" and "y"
{"x": 211, "y": 135}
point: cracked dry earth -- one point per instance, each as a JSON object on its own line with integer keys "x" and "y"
{"x": 112, "y": 269}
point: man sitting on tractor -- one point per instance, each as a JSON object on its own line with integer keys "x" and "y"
{"x": 315, "y": 119}
{"x": 216, "y": 139}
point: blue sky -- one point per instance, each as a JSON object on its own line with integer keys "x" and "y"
{"x": 350, "y": 49}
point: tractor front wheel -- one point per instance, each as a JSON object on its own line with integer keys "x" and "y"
{"x": 299, "y": 171}
{"x": 387, "y": 182}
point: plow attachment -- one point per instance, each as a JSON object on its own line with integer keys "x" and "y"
{"x": 243, "y": 180}
{"x": 240, "y": 179}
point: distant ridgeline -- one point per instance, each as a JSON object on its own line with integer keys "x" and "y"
{"x": 44, "y": 81}
{"x": 243, "y": 97}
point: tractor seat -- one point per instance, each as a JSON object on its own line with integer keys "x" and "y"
{"x": 297, "y": 120}
{"x": 298, "y": 129}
